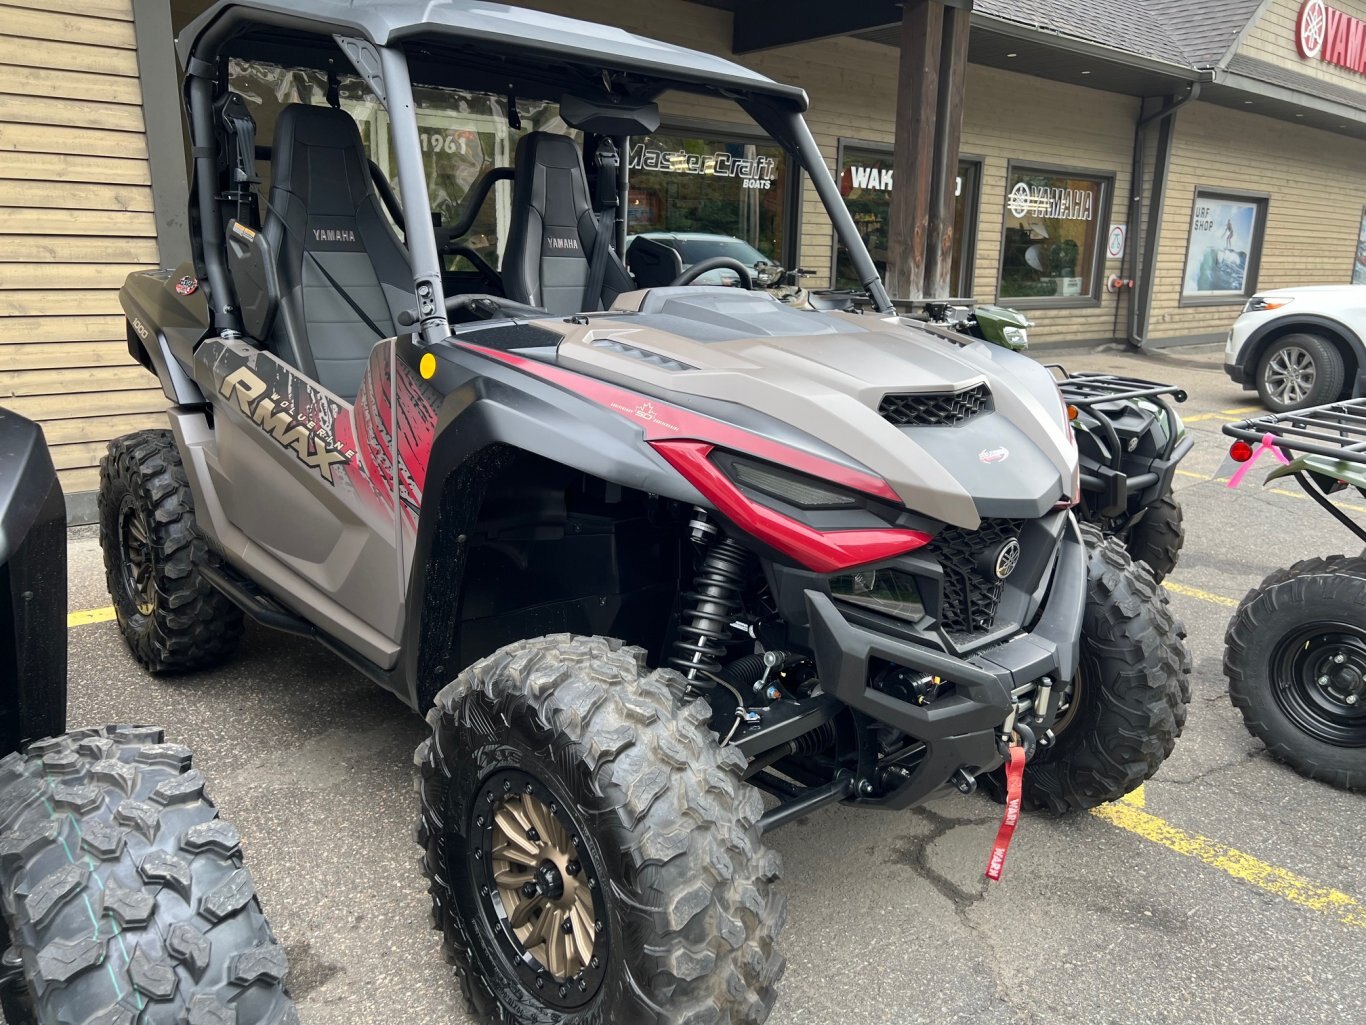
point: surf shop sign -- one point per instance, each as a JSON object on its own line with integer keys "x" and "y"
{"x": 1324, "y": 33}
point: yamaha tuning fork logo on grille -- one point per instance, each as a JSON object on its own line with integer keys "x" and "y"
{"x": 1007, "y": 558}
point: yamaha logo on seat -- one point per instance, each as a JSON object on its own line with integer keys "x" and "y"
{"x": 333, "y": 235}
{"x": 561, "y": 242}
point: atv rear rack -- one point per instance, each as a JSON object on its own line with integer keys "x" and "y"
{"x": 1087, "y": 389}
{"x": 1333, "y": 431}
{"x": 1337, "y": 430}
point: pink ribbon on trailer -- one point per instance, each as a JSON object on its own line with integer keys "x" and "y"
{"x": 1267, "y": 444}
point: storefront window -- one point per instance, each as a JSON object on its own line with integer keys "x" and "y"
{"x": 711, "y": 185}
{"x": 865, "y": 179}
{"x": 1050, "y": 250}
{"x": 1225, "y": 242}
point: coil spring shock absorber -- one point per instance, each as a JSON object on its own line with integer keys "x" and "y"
{"x": 712, "y": 605}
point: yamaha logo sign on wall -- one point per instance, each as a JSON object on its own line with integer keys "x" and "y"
{"x": 1007, "y": 558}
{"x": 1332, "y": 36}
{"x": 994, "y": 455}
{"x": 1311, "y": 27}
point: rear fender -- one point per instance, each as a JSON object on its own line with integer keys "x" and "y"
{"x": 164, "y": 326}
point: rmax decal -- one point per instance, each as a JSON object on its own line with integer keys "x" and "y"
{"x": 311, "y": 446}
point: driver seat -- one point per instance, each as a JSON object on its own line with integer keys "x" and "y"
{"x": 326, "y": 227}
{"x": 554, "y": 230}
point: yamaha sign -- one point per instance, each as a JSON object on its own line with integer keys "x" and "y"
{"x": 1324, "y": 33}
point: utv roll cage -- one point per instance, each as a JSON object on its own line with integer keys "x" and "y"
{"x": 470, "y": 45}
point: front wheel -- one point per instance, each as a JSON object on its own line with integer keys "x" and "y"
{"x": 1299, "y": 371}
{"x": 1295, "y": 657}
{"x": 594, "y": 853}
{"x": 1120, "y": 719}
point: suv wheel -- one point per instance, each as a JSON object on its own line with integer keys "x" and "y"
{"x": 1298, "y": 371}
{"x": 172, "y": 618}
{"x": 594, "y": 853}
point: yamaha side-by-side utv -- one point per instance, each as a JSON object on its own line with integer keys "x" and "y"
{"x": 123, "y": 899}
{"x": 641, "y": 551}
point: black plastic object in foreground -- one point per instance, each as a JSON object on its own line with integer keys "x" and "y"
{"x": 32, "y": 587}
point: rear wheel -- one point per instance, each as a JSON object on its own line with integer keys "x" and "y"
{"x": 1298, "y": 371}
{"x": 1295, "y": 656}
{"x": 1157, "y": 538}
{"x": 1127, "y": 706}
{"x": 172, "y": 618}
{"x": 123, "y": 894}
{"x": 594, "y": 854}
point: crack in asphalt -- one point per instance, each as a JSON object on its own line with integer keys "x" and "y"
{"x": 915, "y": 853}
{"x": 1204, "y": 774}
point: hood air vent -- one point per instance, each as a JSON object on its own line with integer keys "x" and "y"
{"x": 645, "y": 356}
{"x": 935, "y": 409}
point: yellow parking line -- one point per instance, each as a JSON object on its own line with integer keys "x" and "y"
{"x": 1195, "y": 592}
{"x": 1238, "y": 413}
{"x": 1268, "y": 878}
{"x": 88, "y": 616}
{"x": 1136, "y": 797}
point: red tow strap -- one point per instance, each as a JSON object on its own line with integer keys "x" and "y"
{"x": 1014, "y": 779}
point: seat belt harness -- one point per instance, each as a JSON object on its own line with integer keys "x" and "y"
{"x": 605, "y": 201}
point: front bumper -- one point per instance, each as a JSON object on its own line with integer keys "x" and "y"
{"x": 959, "y": 730}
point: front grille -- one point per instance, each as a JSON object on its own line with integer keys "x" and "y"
{"x": 971, "y": 590}
{"x": 936, "y": 409}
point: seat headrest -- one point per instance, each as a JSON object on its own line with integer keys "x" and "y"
{"x": 548, "y": 150}
{"x": 318, "y": 157}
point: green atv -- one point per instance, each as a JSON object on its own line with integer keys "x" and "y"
{"x": 1295, "y": 651}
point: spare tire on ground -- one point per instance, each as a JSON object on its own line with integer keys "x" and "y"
{"x": 124, "y": 897}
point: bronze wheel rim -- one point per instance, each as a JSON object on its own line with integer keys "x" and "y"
{"x": 136, "y": 558}
{"x": 540, "y": 889}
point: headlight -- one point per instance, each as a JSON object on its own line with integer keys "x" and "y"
{"x": 889, "y": 591}
{"x": 1260, "y": 303}
{"x": 1016, "y": 337}
{"x": 795, "y": 489}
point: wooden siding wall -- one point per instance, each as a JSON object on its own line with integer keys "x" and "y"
{"x": 1274, "y": 38}
{"x": 1317, "y": 184}
{"x": 852, "y": 87}
{"x": 75, "y": 218}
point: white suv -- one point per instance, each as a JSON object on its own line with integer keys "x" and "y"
{"x": 1300, "y": 347}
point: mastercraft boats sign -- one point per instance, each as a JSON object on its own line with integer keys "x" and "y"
{"x": 1335, "y": 37}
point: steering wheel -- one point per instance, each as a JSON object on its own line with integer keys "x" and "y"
{"x": 716, "y": 263}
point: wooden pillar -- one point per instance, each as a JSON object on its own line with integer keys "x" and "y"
{"x": 917, "y": 106}
{"x": 953, "y": 66}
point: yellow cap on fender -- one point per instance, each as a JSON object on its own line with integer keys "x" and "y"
{"x": 426, "y": 366}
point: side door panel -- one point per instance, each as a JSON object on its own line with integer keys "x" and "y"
{"x": 309, "y": 478}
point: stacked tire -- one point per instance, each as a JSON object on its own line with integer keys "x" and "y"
{"x": 124, "y": 896}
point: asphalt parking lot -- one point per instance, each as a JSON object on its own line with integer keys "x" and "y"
{"x": 1233, "y": 894}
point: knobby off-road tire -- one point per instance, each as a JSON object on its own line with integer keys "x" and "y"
{"x": 688, "y": 912}
{"x": 1132, "y": 693}
{"x": 1157, "y": 538}
{"x": 1285, "y": 619}
{"x": 172, "y": 618}
{"x": 124, "y": 893}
